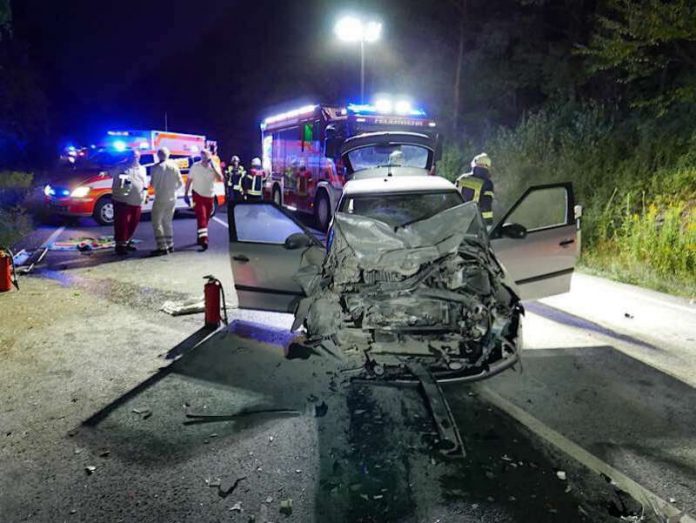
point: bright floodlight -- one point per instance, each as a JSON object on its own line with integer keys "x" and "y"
{"x": 351, "y": 29}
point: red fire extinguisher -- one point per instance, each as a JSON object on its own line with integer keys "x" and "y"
{"x": 214, "y": 302}
{"x": 8, "y": 276}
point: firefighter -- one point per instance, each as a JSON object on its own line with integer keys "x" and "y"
{"x": 129, "y": 192}
{"x": 477, "y": 186}
{"x": 254, "y": 191}
{"x": 165, "y": 179}
{"x": 201, "y": 180}
{"x": 235, "y": 176}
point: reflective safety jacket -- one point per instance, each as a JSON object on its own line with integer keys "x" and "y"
{"x": 476, "y": 186}
{"x": 235, "y": 176}
{"x": 256, "y": 185}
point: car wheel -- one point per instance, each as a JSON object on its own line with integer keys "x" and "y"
{"x": 277, "y": 199}
{"x": 322, "y": 211}
{"x": 104, "y": 211}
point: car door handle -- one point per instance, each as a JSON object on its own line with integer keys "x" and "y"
{"x": 240, "y": 258}
{"x": 566, "y": 242}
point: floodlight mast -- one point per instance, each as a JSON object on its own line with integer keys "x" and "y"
{"x": 352, "y": 29}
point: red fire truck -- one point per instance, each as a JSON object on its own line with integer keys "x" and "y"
{"x": 310, "y": 152}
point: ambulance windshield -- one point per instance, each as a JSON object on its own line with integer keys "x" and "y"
{"x": 389, "y": 155}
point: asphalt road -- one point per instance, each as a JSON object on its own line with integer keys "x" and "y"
{"x": 597, "y": 374}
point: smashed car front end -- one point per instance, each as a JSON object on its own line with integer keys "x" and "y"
{"x": 429, "y": 294}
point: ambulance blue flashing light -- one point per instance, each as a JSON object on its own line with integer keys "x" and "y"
{"x": 120, "y": 145}
{"x": 400, "y": 108}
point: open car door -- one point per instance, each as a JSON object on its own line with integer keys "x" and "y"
{"x": 536, "y": 240}
{"x": 266, "y": 248}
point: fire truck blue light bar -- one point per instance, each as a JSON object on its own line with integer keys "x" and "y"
{"x": 400, "y": 108}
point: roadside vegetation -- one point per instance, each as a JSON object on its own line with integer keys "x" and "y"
{"x": 608, "y": 102}
{"x": 14, "y": 220}
{"x": 635, "y": 180}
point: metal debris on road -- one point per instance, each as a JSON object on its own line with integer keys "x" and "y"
{"x": 286, "y": 506}
{"x": 89, "y": 469}
{"x": 269, "y": 499}
{"x": 237, "y": 507}
{"x": 143, "y": 413}
{"x": 104, "y": 453}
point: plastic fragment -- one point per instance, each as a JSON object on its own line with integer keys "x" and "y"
{"x": 560, "y": 474}
{"x": 286, "y": 506}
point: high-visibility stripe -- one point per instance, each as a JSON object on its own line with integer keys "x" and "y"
{"x": 256, "y": 186}
{"x": 472, "y": 183}
{"x": 489, "y": 193}
{"x": 486, "y": 215}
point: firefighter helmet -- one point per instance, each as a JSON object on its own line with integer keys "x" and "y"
{"x": 481, "y": 160}
{"x": 256, "y": 162}
{"x": 235, "y": 158}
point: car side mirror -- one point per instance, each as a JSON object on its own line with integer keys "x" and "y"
{"x": 514, "y": 231}
{"x": 297, "y": 240}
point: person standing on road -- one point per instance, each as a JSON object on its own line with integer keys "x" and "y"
{"x": 201, "y": 179}
{"x": 165, "y": 179}
{"x": 129, "y": 192}
{"x": 477, "y": 186}
{"x": 235, "y": 177}
{"x": 255, "y": 184}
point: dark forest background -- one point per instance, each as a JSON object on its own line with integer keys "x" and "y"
{"x": 600, "y": 92}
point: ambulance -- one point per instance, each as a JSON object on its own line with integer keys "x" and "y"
{"x": 310, "y": 152}
{"x": 83, "y": 185}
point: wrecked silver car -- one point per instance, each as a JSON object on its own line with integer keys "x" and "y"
{"x": 411, "y": 281}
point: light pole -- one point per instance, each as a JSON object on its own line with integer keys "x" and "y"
{"x": 351, "y": 29}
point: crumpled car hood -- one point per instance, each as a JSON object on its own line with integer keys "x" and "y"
{"x": 378, "y": 246}
{"x": 432, "y": 289}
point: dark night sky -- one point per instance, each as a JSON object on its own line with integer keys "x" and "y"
{"x": 218, "y": 66}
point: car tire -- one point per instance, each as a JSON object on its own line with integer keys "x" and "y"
{"x": 277, "y": 198}
{"x": 104, "y": 211}
{"x": 322, "y": 211}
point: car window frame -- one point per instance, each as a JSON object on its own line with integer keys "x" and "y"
{"x": 233, "y": 226}
{"x": 496, "y": 230}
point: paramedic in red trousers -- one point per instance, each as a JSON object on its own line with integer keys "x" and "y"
{"x": 254, "y": 188}
{"x": 201, "y": 179}
{"x": 165, "y": 179}
{"x": 129, "y": 191}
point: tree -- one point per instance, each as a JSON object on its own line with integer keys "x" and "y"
{"x": 651, "y": 46}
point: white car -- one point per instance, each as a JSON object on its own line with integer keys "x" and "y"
{"x": 412, "y": 282}
{"x": 411, "y": 274}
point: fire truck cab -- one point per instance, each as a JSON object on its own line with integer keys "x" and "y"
{"x": 82, "y": 187}
{"x": 311, "y": 152}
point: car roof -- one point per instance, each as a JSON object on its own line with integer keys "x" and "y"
{"x": 384, "y": 184}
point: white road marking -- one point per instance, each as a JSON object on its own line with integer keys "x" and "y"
{"x": 54, "y": 235}
{"x": 639, "y": 492}
{"x": 224, "y": 224}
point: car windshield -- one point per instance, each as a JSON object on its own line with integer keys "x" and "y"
{"x": 400, "y": 209}
{"x": 383, "y": 155}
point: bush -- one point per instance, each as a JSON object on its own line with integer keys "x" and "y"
{"x": 14, "y": 221}
{"x": 635, "y": 177}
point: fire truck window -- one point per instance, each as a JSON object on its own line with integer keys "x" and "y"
{"x": 384, "y": 155}
{"x": 263, "y": 223}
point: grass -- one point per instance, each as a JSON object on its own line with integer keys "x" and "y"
{"x": 14, "y": 220}
{"x": 635, "y": 177}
